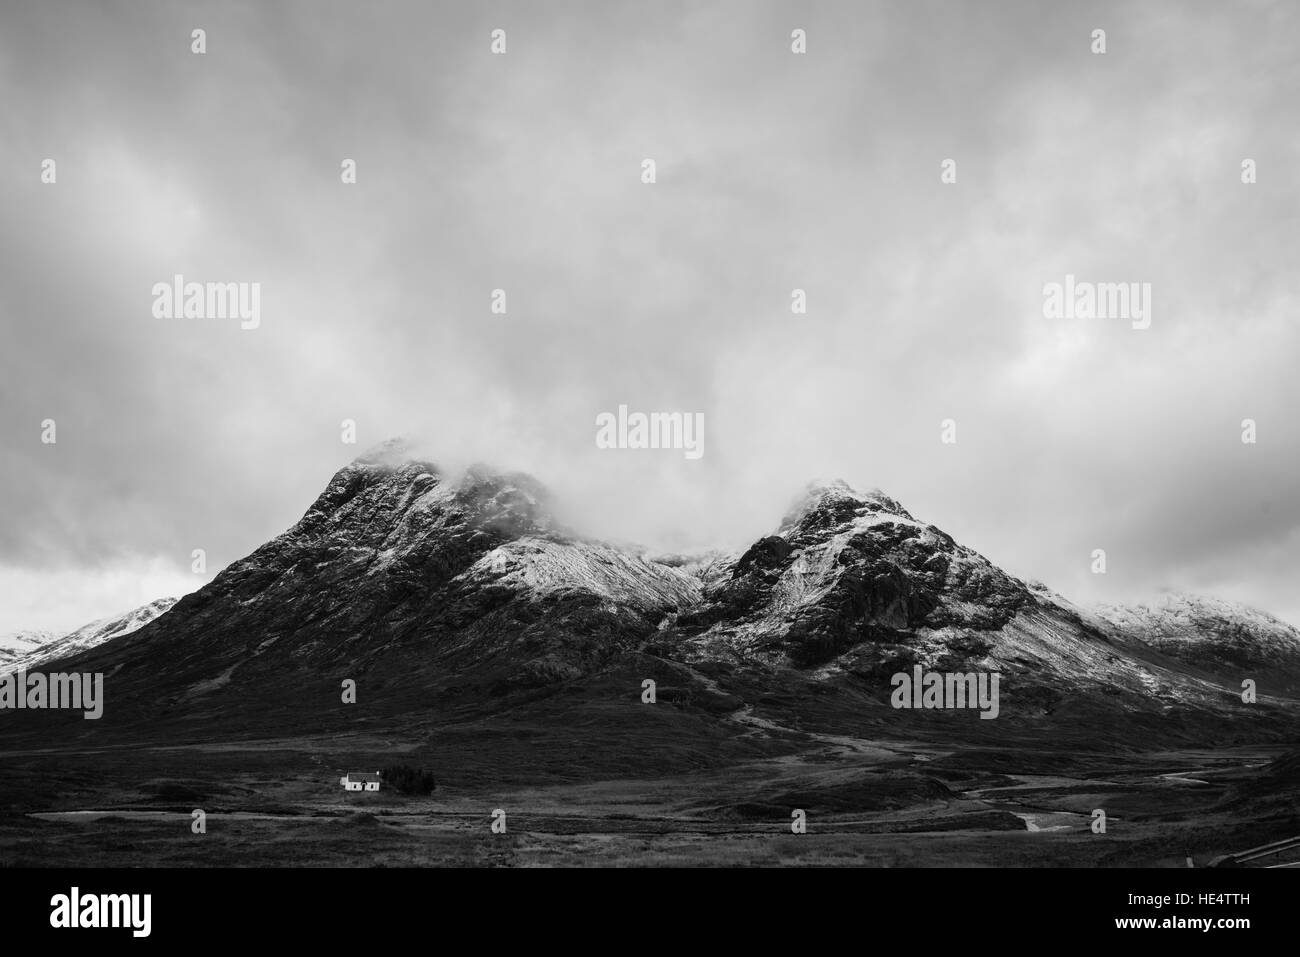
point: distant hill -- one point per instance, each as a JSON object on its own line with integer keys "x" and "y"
{"x": 31, "y": 650}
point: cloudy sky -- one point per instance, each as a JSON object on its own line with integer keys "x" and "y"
{"x": 775, "y": 171}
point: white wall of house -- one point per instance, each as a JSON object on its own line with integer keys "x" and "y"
{"x": 351, "y": 785}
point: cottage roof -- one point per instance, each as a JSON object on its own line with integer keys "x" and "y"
{"x": 363, "y": 776}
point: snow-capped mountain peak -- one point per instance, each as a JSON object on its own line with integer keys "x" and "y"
{"x": 18, "y": 644}
{"x": 84, "y": 638}
{"x": 826, "y": 503}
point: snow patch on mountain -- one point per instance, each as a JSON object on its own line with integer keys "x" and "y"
{"x": 87, "y": 636}
{"x": 20, "y": 644}
{"x": 540, "y": 565}
{"x": 1202, "y": 630}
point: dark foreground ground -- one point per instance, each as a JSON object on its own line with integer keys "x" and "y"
{"x": 873, "y": 803}
{"x": 589, "y": 775}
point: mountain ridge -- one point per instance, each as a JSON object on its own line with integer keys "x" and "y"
{"x": 458, "y": 593}
{"x": 55, "y": 646}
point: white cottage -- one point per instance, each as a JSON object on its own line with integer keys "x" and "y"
{"x": 361, "y": 781}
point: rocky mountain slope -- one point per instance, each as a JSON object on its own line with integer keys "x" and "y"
{"x": 449, "y": 595}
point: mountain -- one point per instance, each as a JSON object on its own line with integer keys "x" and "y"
{"x": 35, "y": 649}
{"x": 846, "y": 569}
{"x": 1215, "y": 634}
{"x": 19, "y": 644}
{"x": 88, "y": 636}
{"x": 451, "y": 596}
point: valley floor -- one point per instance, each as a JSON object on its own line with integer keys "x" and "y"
{"x": 867, "y": 803}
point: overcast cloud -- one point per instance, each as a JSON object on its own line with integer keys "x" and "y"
{"x": 775, "y": 171}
